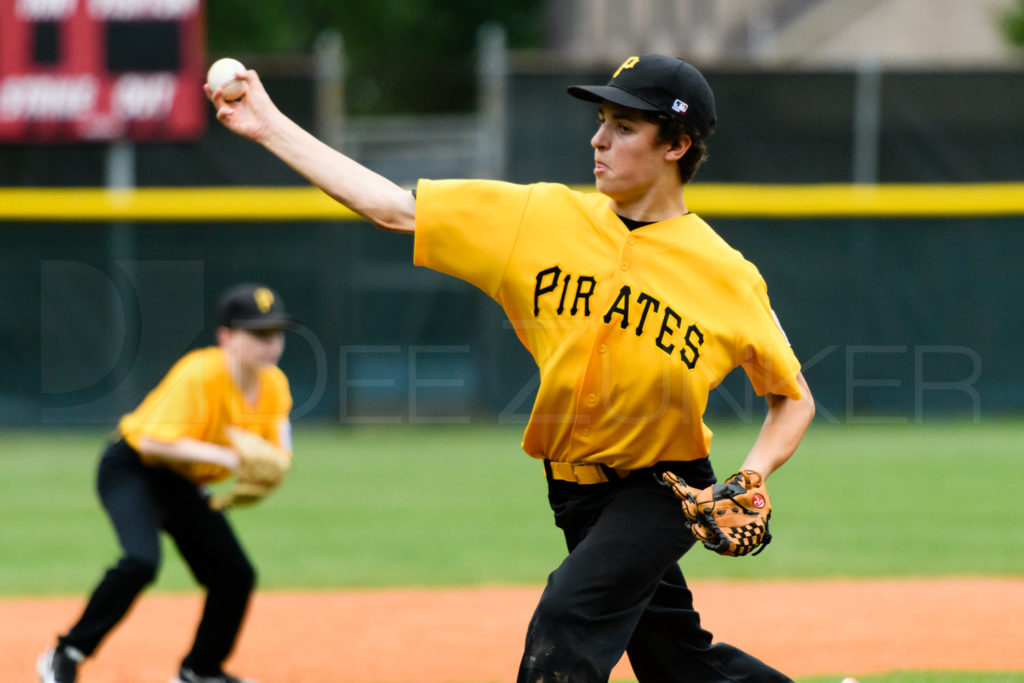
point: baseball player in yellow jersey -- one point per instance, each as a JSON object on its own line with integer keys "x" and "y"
{"x": 634, "y": 309}
{"x": 152, "y": 476}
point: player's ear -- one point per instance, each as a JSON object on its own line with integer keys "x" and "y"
{"x": 223, "y": 335}
{"x": 678, "y": 149}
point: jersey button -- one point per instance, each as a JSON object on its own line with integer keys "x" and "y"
{"x": 631, "y": 240}
{"x": 585, "y": 431}
{"x": 591, "y": 399}
{"x": 603, "y": 348}
{"x": 625, "y": 265}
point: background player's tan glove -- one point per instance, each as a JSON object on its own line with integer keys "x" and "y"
{"x": 262, "y": 466}
{"x": 730, "y": 518}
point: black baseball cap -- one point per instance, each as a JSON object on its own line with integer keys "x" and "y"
{"x": 252, "y": 306}
{"x": 658, "y": 83}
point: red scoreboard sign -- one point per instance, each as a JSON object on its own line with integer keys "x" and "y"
{"x": 79, "y": 70}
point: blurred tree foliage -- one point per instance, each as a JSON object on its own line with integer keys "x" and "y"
{"x": 1013, "y": 24}
{"x": 401, "y": 55}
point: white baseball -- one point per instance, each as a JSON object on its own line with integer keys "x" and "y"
{"x": 222, "y": 73}
{"x": 848, "y": 680}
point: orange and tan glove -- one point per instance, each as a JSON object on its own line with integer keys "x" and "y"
{"x": 729, "y": 518}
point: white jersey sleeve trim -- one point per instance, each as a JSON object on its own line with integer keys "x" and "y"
{"x": 779, "y": 325}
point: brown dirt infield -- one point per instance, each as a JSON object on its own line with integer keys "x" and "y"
{"x": 805, "y": 628}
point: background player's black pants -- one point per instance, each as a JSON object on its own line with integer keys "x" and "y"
{"x": 621, "y": 589}
{"x": 141, "y": 501}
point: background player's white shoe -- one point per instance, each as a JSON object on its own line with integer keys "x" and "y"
{"x": 59, "y": 665}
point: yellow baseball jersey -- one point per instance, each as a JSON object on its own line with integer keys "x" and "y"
{"x": 630, "y": 330}
{"x": 197, "y": 399}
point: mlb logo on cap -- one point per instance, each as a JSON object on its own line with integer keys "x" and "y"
{"x": 680, "y": 106}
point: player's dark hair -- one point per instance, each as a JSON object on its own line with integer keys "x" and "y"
{"x": 670, "y": 130}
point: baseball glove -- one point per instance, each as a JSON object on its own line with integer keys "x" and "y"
{"x": 730, "y": 518}
{"x": 262, "y": 466}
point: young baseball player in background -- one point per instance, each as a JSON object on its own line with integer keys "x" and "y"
{"x": 634, "y": 309}
{"x": 152, "y": 477}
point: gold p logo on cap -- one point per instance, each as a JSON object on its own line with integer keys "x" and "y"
{"x": 264, "y": 298}
{"x": 628, "y": 64}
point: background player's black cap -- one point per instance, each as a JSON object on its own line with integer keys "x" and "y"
{"x": 253, "y": 307}
{"x": 658, "y": 83}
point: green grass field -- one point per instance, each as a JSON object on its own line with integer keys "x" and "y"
{"x": 444, "y": 505}
{"x": 452, "y": 505}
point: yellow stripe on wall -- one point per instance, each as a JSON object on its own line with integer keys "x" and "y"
{"x": 307, "y": 203}
{"x": 170, "y": 204}
{"x": 819, "y": 201}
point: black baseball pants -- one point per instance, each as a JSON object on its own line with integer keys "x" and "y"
{"x": 141, "y": 501}
{"x": 620, "y": 589}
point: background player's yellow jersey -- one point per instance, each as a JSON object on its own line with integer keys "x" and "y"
{"x": 197, "y": 399}
{"x": 630, "y": 330}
